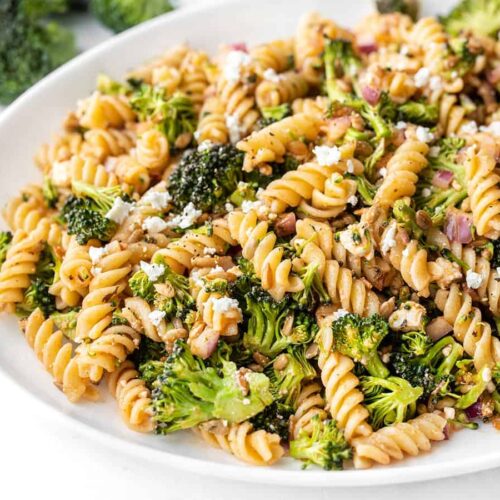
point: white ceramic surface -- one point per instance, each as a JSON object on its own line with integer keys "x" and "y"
{"x": 37, "y": 115}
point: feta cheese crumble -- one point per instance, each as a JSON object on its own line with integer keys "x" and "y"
{"x": 248, "y": 206}
{"x": 426, "y": 192}
{"x": 209, "y": 251}
{"x": 234, "y": 128}
{"x": 154, "y": 224}
{"x": 327, "y": 156}
{"x": 152, "y": 271}
{"x": 119, "y": 211}
{"x": 352, "y": 200}
{"x": 492, "y": 128}
{"x": 401, "y": 125}
{"x": 157, "y": 199}
{"x": 422, "y": 77}
{"x": 96, "y": 254}
{"x": 271, "y": 75}
{"x": 470, "y": 127}
{"x": 229, "y": 207}
{"x": 389, "y": 239}
{"x": 224, "y": 305}
{"x": 236, "y": 60}
{"x": 340, "y": 313}
{"x": 474, "y": 280}
{"x": 424, "y": 134}
{"x": 350, "y": 166}
{"x": 204, "y": 146}
{"x": 156, "y": 317}
{"x": 487, "y": 375}
{"x": 61, "y": 173}
{"x": 434, "y": 151}
{"x": 435, "y": 83}
{"x": 383, "y": 172}
{"x": 189, "y": 216}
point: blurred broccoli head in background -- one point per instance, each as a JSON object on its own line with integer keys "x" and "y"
{"x": 120, "y": 15}
{"x": 29, "y": 46}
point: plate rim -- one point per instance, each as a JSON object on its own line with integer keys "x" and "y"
{"x": 393, "y": 474}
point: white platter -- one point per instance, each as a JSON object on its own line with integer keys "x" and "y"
{"x": 34, "y": 117}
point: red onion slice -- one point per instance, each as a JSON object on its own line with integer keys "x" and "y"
{"x": 442, "y": 179}
{"x": 367, "y": 47}
{"x": 370, "y": 95}
{"x": 241, "y": 46}
{"x": 458, "y": 227}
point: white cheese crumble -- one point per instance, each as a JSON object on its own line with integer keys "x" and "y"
{"x": 401, "y": 125}
{"x": 449, "y": 413}
{"x": 229, "y": 207}
{"x": 498, "y": 271}
{"x": 195, "y": 276}
{"x": 406, "y": 252}
{"x": 470, "y": 127}
{"x": 234, "y": 128}
{"x": 157, "y": 199}
{"x": 352, "y": 200}
{"x": 119, "y": 211}
{"x": 271, "y": 75}
{"x": 350, "y": 166}
{"x": 156, "y": 317}
{"x": 424, "y": 134}
{"x": 216, "y": 269}
{"x": 389, "y": 241}
{"x": 426, "y": 192}
{"x": 61, "y": 173}
{"x": 435, "y": 83}
{"x": 248, "y": 206}
{"x": 486, "y": 375}
{"x": 383, "y": 172}
{"x": 209, "y": 251}
{"x": 474, "y": 280}
{"x": 96, "y": 270}
{"x": 404, "y": 50}
{"x": 422, "y": 77}
{"x": 204, "y": 146}
{"x": 327, "y": 156}
{"x": 224, "y": 305}
{"x": 340, "y": 313}
{"x": 246, "y": 401}
{"x": 492, "y": 128}
{"x": 96, "y": 254}
{"x": 236, "y": 60}
{"x": 188, "y": 217}
{"x": 434, "y": 151}
{"x": 386, "y": 357}
{"x": 152, "y": 271}
{"x": 154, "y": 224}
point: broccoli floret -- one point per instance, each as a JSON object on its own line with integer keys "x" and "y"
{"x": 85, "y": 212}
{"x": 288, "y": 372}
{"x": 325, "y": 445}
{"x": 272, "y": 325}
{"x": 37, "y": 294}
{"x": 275, "y": 418}
{"x": 30, "y": 48}
{"x": 419, "y": 112}
{"x": 120, "y": 15}
{"x": 406, "y": 217}
{"x": 432, "y": 370}
{"x": 66, "y": 322}
{"x": 106, "y": 85}
{"x": 409, "y": 7}
{"x": 415, "y": 343}
{"x": 434, "y": 200}
{"x": 314, "y": 292}
{"x": 5, "y": 240}
{"x": 389, "y": 401}
{"x": 141, "y": 286}
{"x": 462, "y": 61}
{"x": 482, "y": 17}
{"x": 274, "y": 114}
{"x": 206, "y": 178}
{"x": 175, "y": 115}
{"x": 477, "y": 383}
{"x": 50, "y": 194}
{"x": 364, "y": 187}
{"x": 190, "y": 391}
{"x": 495, "y": 260}
{"x": 359, "y": 339}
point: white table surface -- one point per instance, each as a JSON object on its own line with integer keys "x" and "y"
{"x": 41, "y": 459}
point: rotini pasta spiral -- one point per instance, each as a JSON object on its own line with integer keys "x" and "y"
{"x": 484, "y": 193}
{"x": 212, "y": 124}
{"x": 61, "y": 149}
{"x": 153, "y": 151}
{"x": 269, "y": 144}
{"x": 134, "y": 398}
{"x": 89, "y": 170}
{"x": 57, "y": 358}
{"x": 468, "y": 326}
{"x": 402, "y": 172}
{"x": 194, "y": 81}
{"x": 343, "y": 399}
{"x": 286, "y": 87}
{"x": 310, "y": 404}
{"x": 276, "y": 55}
{"x": 396, "y": 441}
{"x": 103, "y": 111}
{"x": 259, "y": 246}
{"x": 254, "y": 447}
{"x": 103, "y": 143}
{"x": 25, "y": 211}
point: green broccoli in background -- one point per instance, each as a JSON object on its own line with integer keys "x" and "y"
{"x": 66, "y": 322}
{"x": 190, "y": 391}
{"x": 274, "y": 114}
{"x": 85, "y": 212}
{"x": 275, "y": 419}
{"x": 5, "y": 240}
{"x": 481, "y": 17}
{"x": 419, "y": 112}
{"x": 409, "y": 7}
{"x": 359, "y": 338}
{"x": 50, "y": 193}
{"x": 30, "y": 47}
{"x": 324, "y": 446}
{"x": 389, "y": 401}
{"x": 120, "y": 15}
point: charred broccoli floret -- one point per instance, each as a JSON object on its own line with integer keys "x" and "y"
{"x": 5, "y": 240}
{"x": 30, "y": 47}
{"x": 359, "y": 338}
{"x": 85, "y": 212}
{"x": 482, "y": 17}
{"x": 389, "y": 401}
{"x": 419, "y": 112}
{"x": 206, "y": 178}
{"x": 275, "y": 419}
{"x": 325, "y": 446}
{"x": 120, "y": 15}
{"x": 189, "y": 392}
{"x": 174, "y": 115}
